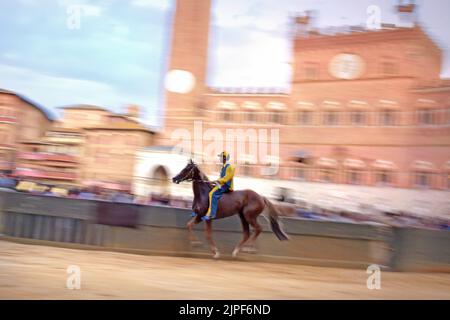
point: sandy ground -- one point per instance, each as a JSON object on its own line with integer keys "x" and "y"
{"x": 40, "y": 272}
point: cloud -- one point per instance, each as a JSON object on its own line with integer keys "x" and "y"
{"x": 28, "y": 2}
{"x": 250, "y": 45}
{"x": 84, "y": 7}
{"x": 154, "y": 4}
{"x": 121, "y": 30}
{"x": 10, "y": 56}
{"x": 91, "y": 10}
{"x": 52, "y": 91}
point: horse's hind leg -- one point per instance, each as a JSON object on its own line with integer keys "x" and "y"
{"x": 246, "y": 231}
{"x": 190, "y": 225}
{"x": 208, "y": 234}
{"x": 257, "y": 230}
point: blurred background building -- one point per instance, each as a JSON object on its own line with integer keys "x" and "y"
{"x": 20, "y": 120}
{"x": 366, "y": 107}
{"x": 366, "y": 110}
{"x": 88, "y": 146}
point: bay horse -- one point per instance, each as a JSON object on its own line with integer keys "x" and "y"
{"x": 245, "y": 203}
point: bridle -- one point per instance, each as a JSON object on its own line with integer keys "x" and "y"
{"x": 191, "y": 179}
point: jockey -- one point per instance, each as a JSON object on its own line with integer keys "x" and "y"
{"x": 223, "y": 185}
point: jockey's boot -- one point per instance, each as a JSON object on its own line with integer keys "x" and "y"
{"x": 206, "y": 218}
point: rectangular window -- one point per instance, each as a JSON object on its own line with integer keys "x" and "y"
{"x": 311, "y": 73}
{"x": 327, "y": 176}
{"x": 276, "y": 117}
{"x": 305, "y": 117}
{"x": 301, "y": 174}
{"x": 421, "y": 179}
{"x": 426, "y": 117}
{"x": 225, "y": 116}
{"x": 357, "y": 118}
{"x": 389, "y": 68}
{"x": 387, "y": 117}
{"x": 354, "y": 177}
{"x": 246, "y": 169}
{"x": 250, "y": 116}
{"x": 383, "y": 178}
{"x": 331, "y": 118}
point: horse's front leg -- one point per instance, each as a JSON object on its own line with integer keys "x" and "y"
{"x": 190, "y": 225}
{"x": 208, "y": 234}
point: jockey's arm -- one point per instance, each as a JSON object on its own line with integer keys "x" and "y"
{"x": 228, "y": 175}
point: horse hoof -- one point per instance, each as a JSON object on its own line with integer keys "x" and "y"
{"x": 216, "y": 255}
{"x": 235, "y": 253}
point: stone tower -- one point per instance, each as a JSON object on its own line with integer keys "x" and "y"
{"x": 187, "y": 67}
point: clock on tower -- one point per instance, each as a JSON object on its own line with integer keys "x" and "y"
{"x": 346, "y": 66}
{"x": 180, "y": 81}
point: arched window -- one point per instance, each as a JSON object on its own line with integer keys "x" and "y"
{"x": 327, "y": 175}
{"x": 275, "y": 112}
{"x": 422, "y": 174}
{"x": 383, "y": 171}
{"x": 327, "y": 169}
{"x": 251, "y": 110}
{"x": 354, "y": 171}
{"x": 225, "y": 111}
{"x": 246, "y": 164}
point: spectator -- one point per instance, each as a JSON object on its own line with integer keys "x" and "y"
{"x": 121, "y": 197}
{"x": 74, "y": 193}
{"x": 86, "y": 194}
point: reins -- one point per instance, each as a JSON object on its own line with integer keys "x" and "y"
{"x": 195, "y": 180}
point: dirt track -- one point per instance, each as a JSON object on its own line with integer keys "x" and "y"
{"x": 39, "y": 272}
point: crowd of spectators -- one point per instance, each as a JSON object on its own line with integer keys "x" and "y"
{"x": 396, "y": 219}
{"x": 286, "y": 205}
{"x": 10, "y": 184}
{"x": 366, "y": 214}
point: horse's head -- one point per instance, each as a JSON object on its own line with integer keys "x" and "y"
{"x": 187, "y": 174}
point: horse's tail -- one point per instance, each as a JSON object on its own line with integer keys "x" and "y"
{"x": 273, "y": 219}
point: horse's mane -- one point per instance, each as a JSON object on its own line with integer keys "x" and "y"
{"x": 201, "y": 174}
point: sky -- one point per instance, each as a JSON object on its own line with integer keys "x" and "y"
{"x": 114, "y": 52}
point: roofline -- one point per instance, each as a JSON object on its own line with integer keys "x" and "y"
{"x": 329, "y": 40}
{"x": 47, "y": 113}
{"x": 84, "y": 107}
{"x": 124, "y": 129}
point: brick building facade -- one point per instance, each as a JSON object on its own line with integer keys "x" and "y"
{"x": 366, "y": 107}
{"x": 20, "y": 120}
{"x": 88, "y": 146}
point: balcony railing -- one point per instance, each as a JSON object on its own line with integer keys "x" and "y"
{"x": 46, "y": 157}
{"x": 8, "y": 119}
{"x": 44, "y": 174}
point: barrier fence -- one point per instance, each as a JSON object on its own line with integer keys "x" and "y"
{"x": 162, "y": 230}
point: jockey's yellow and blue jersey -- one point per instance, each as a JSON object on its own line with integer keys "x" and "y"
{"x": 226, "y": 176}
